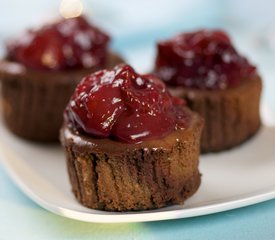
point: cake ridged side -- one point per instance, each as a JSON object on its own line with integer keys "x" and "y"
{"x": 231, "y": 116}
{"x": 34, "y": 110}
{"x": 140, "y": 179}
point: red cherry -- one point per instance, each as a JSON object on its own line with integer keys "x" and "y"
{"x": 67, "y": 44}
{"x": 124, "y": 105}
{"x": 202, "y": 59}
{"x": 134, "y": 127}
{"x": 96, "y": 103}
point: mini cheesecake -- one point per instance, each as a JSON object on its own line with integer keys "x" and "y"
{"x": 223, "y": 87}
{"x": 143, "y": 153}
{"x": 41, "y": 71}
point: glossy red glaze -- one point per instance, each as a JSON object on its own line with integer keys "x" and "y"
{"x": 126, "y": 106}
{"x": 68, "y": 44}
{"x": 203, "y": 59}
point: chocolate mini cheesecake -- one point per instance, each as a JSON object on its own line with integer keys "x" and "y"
{"x": 142, "y": 154}
{"x": 109, "y": 175}
{"x": 41, "y": 71}
{"x": 223, "y": 87}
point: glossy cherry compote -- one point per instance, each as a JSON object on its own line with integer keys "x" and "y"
{"x": 205, "y": 59}
{"x": 67, "y": 44}
{"x": 123, "y": 105}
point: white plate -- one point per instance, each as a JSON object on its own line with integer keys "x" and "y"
{"x": 235, "y": 178}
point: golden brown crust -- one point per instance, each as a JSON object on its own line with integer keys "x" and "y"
{"x": 33, "y": 101}
{"x": 231, "y": 115}
{"x": 115, "y": 176}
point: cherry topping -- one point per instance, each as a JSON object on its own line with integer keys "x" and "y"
{"x": 68, "y": 44}
{"x": 124, "y": 105}
{"x": 203, "y": 59}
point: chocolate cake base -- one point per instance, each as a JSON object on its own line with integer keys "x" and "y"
{"x": 231, "y": 116}
{"x": 115, "y": 176}
{"x": 33, "y": 101}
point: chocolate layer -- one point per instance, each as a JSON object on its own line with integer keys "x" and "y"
{"x": 33, "y": 101}
{"x": 115, "y": 176}
{"x": 231, "y": 115}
